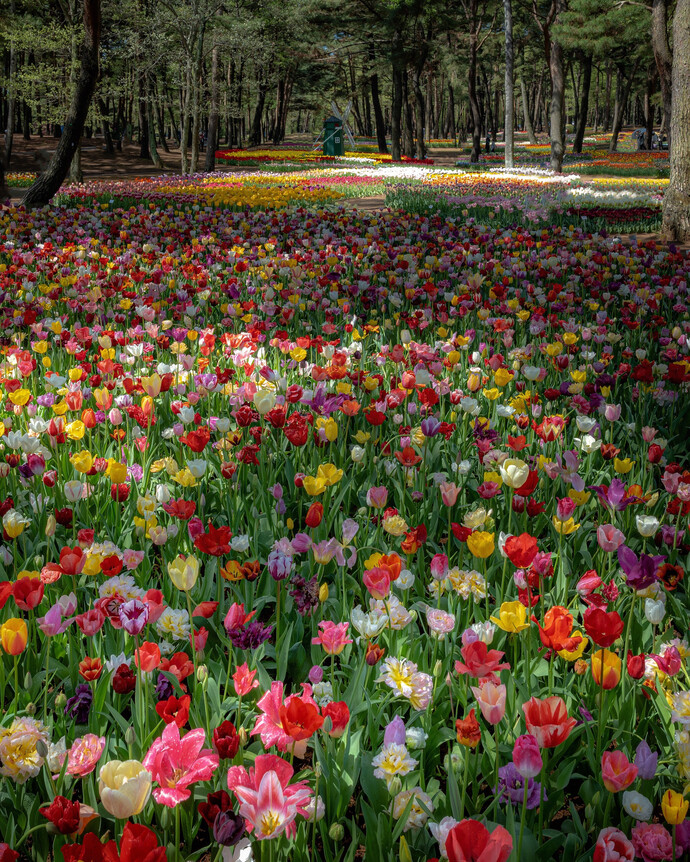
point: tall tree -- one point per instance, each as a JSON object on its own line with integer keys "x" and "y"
{"x": 676, "y": 207}
{"x": 50, "y": 181}
{"x": 509, "y": 85}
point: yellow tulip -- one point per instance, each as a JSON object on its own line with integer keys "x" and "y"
{"x": 116, "y": 471}
{"x": 574, "y": 655}
{"x": 82, "y": 461}
{"x": 674, "y": 807}
{"x": 623, "y": 465}
{"x": 184, "y": 572}
{"x": 125, "y": 787}
{"x": 481, "y": 544}
{"x": 314, "y": 485}
{"x": 565, "y": 528}
{"x": 512, "y": 617}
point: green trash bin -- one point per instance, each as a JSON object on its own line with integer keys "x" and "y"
{"x": 333, "y": 143}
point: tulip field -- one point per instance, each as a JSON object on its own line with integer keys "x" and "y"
{"x": 333, "y": 534}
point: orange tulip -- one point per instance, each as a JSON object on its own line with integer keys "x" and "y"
{"x": 13, "y": 636}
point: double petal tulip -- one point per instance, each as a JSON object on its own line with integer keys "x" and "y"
{"x": 124, "y": 787}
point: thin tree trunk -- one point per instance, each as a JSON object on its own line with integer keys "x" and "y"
{"x": 186, "y": 120}
{"x": 142, "y": 102}
{"x": 584, "y": 104}
{"x": 397, "y": 101}
{"x": 408, "y": 135}
{"x": 105, "y": 125}
{"x": 212, "y": 142}
{"x": 623, "y": 87}
{"x": 557, "y": 97}
{"x": 509, "y": 82}
{"x": 378, "y": 113}
{"x": 531, "y": 137}
{"x": 676, "y": 208}
{"x": 648, "y": 109}
{"x": 255, "y": 133}
{"x": 151, "y": 129}
{"x": 662, "y": 55}
{"x": 11, "y": 100}
{"x": 49, "y": 182}
{"x": 196, "y": 114}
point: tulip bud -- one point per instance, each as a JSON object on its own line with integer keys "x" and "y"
{"x": 130, "y": 735}
{"x": 51, "y": 525}
{"x": 202, "y": 673}
{"x": 242, "y": 733}
{"x": 28, "y": 679}
{"x": 41, "y": 749}
{"x": 323, "y": 593}
{"x": 337, "y": 831}
{"x": 60, "y": 701}
{"x": 395, "y": 786}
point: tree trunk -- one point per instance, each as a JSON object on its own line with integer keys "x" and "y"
{"x": 584, "y": 104}
{"x": 531, "y": 137}
{"x": 508, "y": 83}
{"x": 212, "y": 142}
{"x": 607, "y": 103}
{"x": 557, "y": 96}
{"x": 255, "y": 133}
{"x": 105, "y": 125}
{"x": 50, "y": 181}
{"x": 397, "y": 101}
{"x": 151, "y": 129}
{"x": 623, "y": 86}
{"x": 11, "y": 99}
{"x": 196, "y": 113}
{"x": 408, "y": 135}
{"x": 662, "y": 55}
{"x": 648, "y": 109}
{"x": 378, "y": 114}
{"x": 450, "y": 124}
{"x": 142, "y": 106}
{"x": 474, "y": 102}
{"x": 676, "y": 209}
{"x": 185, "y": 118}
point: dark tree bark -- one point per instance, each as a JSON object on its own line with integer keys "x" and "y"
{"x": 105, "y": 126}
{"x": 397, "y": 101}
{"x": 255, "y": 133}
{"x": 584, "y": 103}
{"x": 49, "y": 182}
{"x": 509, "y": 82}
{"x": 532, "y": 138}
{"x": 142, "y": 100}
{"x": 11, "y": 100}
{"x": 676, "y": 209}
{"x": 474, "y": 101}
{"x": 378, "y": 113}
{"x": 662, "y": 55}
{"x": 648, "y": 109}
{"x": 623, "y": 86}
{"x": 214, "y": 116}
{"x": 408, "y": 125}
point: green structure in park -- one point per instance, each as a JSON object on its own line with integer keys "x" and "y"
{"x": 333, "y": 139}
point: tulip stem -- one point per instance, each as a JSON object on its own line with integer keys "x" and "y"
{"x": 177, "y": 822}
{"x": 541, "y": 795}
{"x": 522, "y": 816}
{"x": 277, "y": 621}
{"x": 45, "y": 681}
{"x": 627, "y": 633}
{"x": 601, "y": 702}
{"x": 465, "y": 775}
{"x": 191, "y": 625}
{"x": 673, "y": 836}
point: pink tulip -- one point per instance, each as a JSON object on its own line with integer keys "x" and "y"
{"x": 491, "y": 699}
{"x": 378, "y": 582}
{"x": 332, "y": 637}
{"x": 527, "y": 756}
{"x": 439, "y": 566}
{"x": 268, "y": 802}
{"x": 610, "y": 539}
{"x": 565, "y": 508}
{"x": 243, "y": 680}
{"x": 617, "y": 772}
{"x": 449, "y": 493}
{"x": 176, "y": 762}
{"x": 377, "y": 497}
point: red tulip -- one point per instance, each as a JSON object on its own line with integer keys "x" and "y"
{"x": 548, "y": 720}
{"x": 471, "y": 841}
{"x": 521, "y": 550}
{"x": 604, "y": 627}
